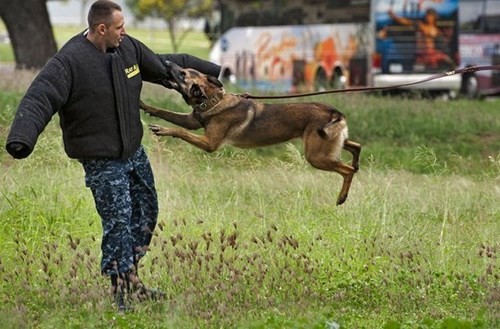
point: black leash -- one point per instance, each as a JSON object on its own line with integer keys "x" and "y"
{"x": 470, "y": 69}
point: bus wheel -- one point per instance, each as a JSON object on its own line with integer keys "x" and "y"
{"x": 321, "y": 81}
{"x": 227, "y": 77}
{"x": 470, "y": 86}
{"x": 338, "y": 79}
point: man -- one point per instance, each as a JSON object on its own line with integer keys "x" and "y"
{"x": 94, "y": 84}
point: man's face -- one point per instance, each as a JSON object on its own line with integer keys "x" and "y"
{"x": 115, "y": 32}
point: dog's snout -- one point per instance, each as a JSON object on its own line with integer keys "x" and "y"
{"x": 168, "y": 68}
{"x": 174, "y": 72}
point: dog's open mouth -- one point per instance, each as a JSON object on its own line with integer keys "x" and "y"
{"x": 170, "y": 84}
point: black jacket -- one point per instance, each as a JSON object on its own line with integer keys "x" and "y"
{"x": 97, "y": 97}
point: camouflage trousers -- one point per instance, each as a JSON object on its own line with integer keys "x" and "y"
{"x": 125, "y": 198}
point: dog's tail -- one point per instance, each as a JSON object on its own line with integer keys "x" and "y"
{"x": 335, "y": 126}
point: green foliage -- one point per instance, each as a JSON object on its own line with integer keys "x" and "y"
{"x": 252, "y": 238}
{"x": 9, "y": 101}
{"x": 6, "y": 51}
{"x": 171, "y": 11}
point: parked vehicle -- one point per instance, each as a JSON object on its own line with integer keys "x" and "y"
{"x": 295, "y": 46}
{"x": 480, "y": 45}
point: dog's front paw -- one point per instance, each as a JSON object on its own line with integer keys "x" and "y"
{"x": 158, "y": 130}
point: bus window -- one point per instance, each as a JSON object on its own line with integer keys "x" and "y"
{"x": 481, "y": 16}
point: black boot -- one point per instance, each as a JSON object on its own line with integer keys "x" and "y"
{"x": 139, "y": 291}
{"x": 119, "y": 292}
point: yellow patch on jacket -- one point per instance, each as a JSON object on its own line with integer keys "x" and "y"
{"x": 132, "y": 71}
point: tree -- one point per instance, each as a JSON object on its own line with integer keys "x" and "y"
{"x": 171, "y": 11}
{"x": 30, "y": 31}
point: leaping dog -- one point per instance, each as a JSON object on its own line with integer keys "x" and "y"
{"x": 246, "y": 123}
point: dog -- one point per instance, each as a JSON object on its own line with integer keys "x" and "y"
{"x": 245, "y": 123}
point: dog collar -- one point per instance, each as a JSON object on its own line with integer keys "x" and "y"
{"x": 210, "y": 103}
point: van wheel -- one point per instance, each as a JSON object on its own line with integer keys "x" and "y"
{"x": 470, "y": 86}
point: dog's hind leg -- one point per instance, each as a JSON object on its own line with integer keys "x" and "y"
{"x": 355, "y": 150}
{"x": 324, "y": 154}
{"x": 347, "y": 172}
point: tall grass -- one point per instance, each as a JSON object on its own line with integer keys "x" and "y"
{"x": 253, "y": 239}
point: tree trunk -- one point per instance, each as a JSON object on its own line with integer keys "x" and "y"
{"x": 171, "y": 33}
{"x": 30, "y": 31}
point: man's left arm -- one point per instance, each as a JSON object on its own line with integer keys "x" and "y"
{"x": 153, "y": 65}
{"x": 189, "y": 61}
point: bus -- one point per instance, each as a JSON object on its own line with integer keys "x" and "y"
{"x": 295, "y": 46}
{"x": 480, "y": 45}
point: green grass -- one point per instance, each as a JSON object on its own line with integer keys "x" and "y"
{"x": 253, "y": 239}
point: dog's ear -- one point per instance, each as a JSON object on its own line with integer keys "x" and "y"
{"x": 214, "y": 81}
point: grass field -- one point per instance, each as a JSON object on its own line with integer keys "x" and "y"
{"x": 253, "y": 239}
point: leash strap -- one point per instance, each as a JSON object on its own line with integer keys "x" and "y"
{"x": 470, "y": 69}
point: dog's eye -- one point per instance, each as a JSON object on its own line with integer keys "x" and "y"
{"x": 196, "y": 91}
{"x": 182, "y": 75}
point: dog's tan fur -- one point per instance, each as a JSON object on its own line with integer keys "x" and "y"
{"x": 246, "y": 123}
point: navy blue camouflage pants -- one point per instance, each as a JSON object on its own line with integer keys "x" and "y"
{"x": 125, "y": 198}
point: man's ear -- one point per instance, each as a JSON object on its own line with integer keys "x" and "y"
{"x": 101, "y": 29}
{"x": 214, "y": 81}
